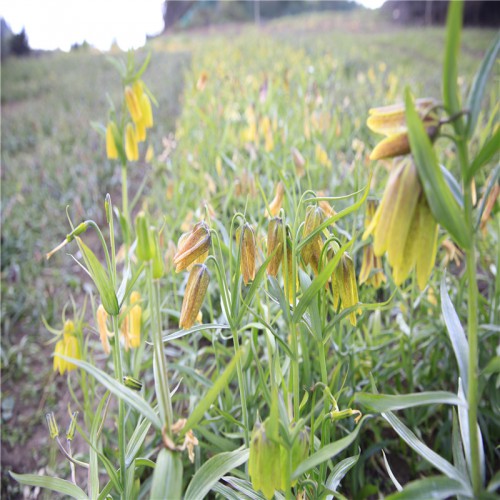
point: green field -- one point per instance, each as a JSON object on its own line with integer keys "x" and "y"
{"x": 306, "y": 83}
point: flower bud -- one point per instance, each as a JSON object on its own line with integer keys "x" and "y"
{"x": 274, "y": 245}
{"x": 70, "y": 432}
{"x": 196, "y": 244}
{"x": 131, "y": 146}
{"x": 132, "y": 383}
{"x": 133, "y": 105}
{"x": 247, "y": 253}
{"x": 145, "y": 250}
{"x": 196, "y": 288}
{"x": 52, "y": 425}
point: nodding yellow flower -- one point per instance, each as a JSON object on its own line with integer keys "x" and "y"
{"x": 196, "y": 288}
{"x": 311, "y": 252}
{"x": 67, "y": 346}
{"x": 264, "y": 463}
{"x": 391, "y": 122}
{"x": 299, "y": 162}
{"x": 147, "y": 112}
{"x": 104, "y": 333}
{"x": 404, "y": 226}
{"x": 344, "y": 287}
{"x": 131, "y": 146}
{"x": 140, "y": 131}
{"x": 275, "y": 244}
{"x": 321, "y": 156}
{"x": 111, "y": 132}
{"x": 193, "y": 246}
{"x": 133, "y": 105}
{"x": 247, "y": 253}
{"x": 133, "y": 337}
{"x": 277, "y": 202}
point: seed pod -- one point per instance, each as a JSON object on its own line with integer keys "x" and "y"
{"x": 133, "y": 105}
{"x": 247, "y": 253}
{"x": 145, "y": 250}
{"x": 196, "y": 244}
{"x": 52, "y": 425}
{"x": 274, "y": 245}
{"x": 132, "y": 383}
{"x": 194, "y": 294}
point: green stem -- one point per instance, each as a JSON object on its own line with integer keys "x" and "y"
{"x": 117, "y": 361}
{"x": 325, "y": 436}
{"x": 159, "y": 360}
{"x": 472, "y": 324}
{"x": 241, "y": 385}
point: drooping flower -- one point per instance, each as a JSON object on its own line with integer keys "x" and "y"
{"x": 404, "y": 226}
{"x": 247, "y": 253}
{"x": 274, "y": 245}
{"x": 67, "y": 346}
{"x": 195, "y": 291}
{"x": 344, "y": 286}
{"x": 111, "y": 132}
{"x": 104, "y": 333}
{"x": 277, "y": 202}
{"x": 131, "y": 146}
{"x": 311, "y": 252}
{"x": 193, "y": 246}
{"x": 133, "y": 103}
{"x": 133, "y": 337}
{"x": 391, "y": 122}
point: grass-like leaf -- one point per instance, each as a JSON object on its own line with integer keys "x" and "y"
{"x": 441, "y": 201}
{"x": 338, "y": 473}
{"x": 167, "y": 477}
{"x": 436, "y": 487}
{"x": 450, "y": 68}
{"x": 212, "y": 470}
{"x": 328, "y": 451}
{"x": 456, "y": 333}
{"x": 479, "y": 85}
{"x": 426, "y": 453}
{"x": 386, "y": 402}
{"x": 50, "y": 483}
{"x": 119, "y": 390}
{"x": 212, "y": 394}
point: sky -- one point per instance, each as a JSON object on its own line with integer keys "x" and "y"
{"x": 53, "y": 24}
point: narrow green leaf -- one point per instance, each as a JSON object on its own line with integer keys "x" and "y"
{"x": 227, "y": 493}
{"x": 101, "y": 279}
{"x": 489, "y": 149}
{"x": 479, "y": 85}
{"x": 492, "y": 181}
{"x": 244, "y": 487}
{"x": 450, "y": 68}
{"x": 135, "y": 442}
{"x": 198, "y": 328}
{"x": 212, "y": 393}
{"x": 385, "y": 402}
{"x": 456, "y": 333}
{"x": 167, "y": 476}
{"x": 454, "y": 186}
{"x": 439, "y": 196}
{"x": 318, "y": 283}
{"x": 426, "y": 453}
{"x": 51, "y": 483}
{"x": 437, "y": 487}
{"x": 394, "y": 480}
{"x": 338, "y": 473}
{"x": 118, "y": 389}
{"x": 328, "y": 451}
{"x": 212, "y": 470}
{"x": 93, "y": 455}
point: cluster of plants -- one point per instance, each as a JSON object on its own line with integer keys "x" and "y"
{"x": 273, "y": 320}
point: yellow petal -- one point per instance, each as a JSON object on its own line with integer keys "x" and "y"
{"x": 394, "y": 145}
{"x": 427, "y": 245}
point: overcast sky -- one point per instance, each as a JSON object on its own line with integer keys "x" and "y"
{"x": 52, "y": 24}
